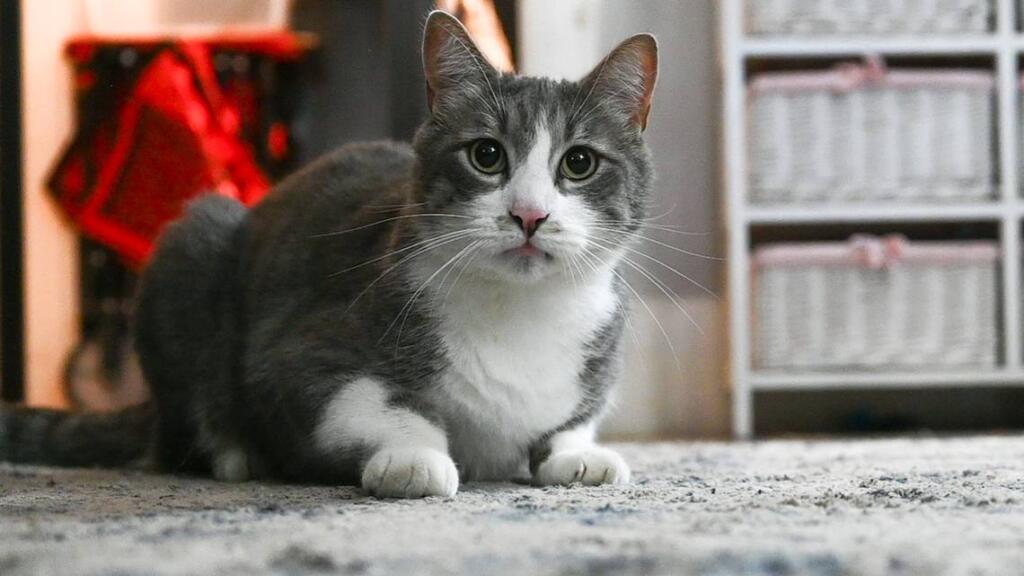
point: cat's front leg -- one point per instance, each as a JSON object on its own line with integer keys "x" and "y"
{"x": 572, "y": 456}
{"x": 408, "y": 454}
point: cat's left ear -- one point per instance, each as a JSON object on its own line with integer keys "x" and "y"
{"x": 451, "y": 61}
{"x": 627, "y": 77}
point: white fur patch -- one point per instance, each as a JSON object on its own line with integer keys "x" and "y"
{"x": 410, "y": 455}
{"x": 575, "y": 439}
{"x": 516, "y": 352}
{"x": 359, "y": 415}
{"x": 532, "y": 182}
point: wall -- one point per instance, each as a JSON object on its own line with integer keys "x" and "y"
{"x": 51, "y": 247}
{"x": 660, "y": 396}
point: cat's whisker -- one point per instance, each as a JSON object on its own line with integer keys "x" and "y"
{"x": 645, "y": 219}
{"x": 585, "y": 256}
{"x": 660, "y": 243}
{"x": 672, "y": 230}
{"x": 465, "y": 266}
{"x": 651, "y": 223}
{"x": 659, "y": 284}
{"x": 650, "y": 312}
{"x": 670, "y": 210}
{"x": 391, "y": 219}
{"x": 567, "y": 269}
{"x": 412, "y": 246}
{"x": 462, "y": 256}
{"x": 391, "y": 269}
{"x": 415, "y": 296}
{"x": 663, "y": 264}
{"x": 665, "y": 289}
{"x": 579, "y": 268}
{"x": 654, "y": 227}
{"x": 392, "y": 207}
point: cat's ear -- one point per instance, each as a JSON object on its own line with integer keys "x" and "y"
{"x": 627, "y": 77}
{"x": 451, "y": 61}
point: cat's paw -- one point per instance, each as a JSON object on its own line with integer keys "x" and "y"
{"x": 410, "y": 473}
{"x": 589, "y": 466}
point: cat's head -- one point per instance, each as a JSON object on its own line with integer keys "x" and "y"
{"x": 529, "y": 178}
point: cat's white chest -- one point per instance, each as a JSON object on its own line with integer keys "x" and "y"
{"x": 515, "y": 361}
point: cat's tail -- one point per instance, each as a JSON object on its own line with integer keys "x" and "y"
{"x": 56, "y": 438}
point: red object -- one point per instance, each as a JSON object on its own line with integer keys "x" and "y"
{"x": 277, "y": 141}
{"x": 173, "y": 133}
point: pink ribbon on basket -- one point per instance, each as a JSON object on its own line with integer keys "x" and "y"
{"x": 878, "y": 253}
{"x": 853, "y": 76}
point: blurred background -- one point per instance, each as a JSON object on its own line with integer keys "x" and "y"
{"x": 835, "y": 237}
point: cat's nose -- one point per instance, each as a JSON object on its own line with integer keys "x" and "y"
{"x": 528, "y": 219}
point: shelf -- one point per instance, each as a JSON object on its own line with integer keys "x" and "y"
{"x": 853, "y": 45}
{"x": 876, "y": 212}
{"x": 884, "y": 380}
{"x": 1001, "y": 52}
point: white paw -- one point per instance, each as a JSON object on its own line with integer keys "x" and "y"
{"x": 231, "y": 465}
{"x": 589, "y": 466}
{"x": 410, "y": 473}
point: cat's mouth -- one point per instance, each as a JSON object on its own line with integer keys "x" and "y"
{"x": 528, "y": 252}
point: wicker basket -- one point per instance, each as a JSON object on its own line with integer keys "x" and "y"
{"x": 868, "y": 17}
{"x": 875, "y": 303}
{"x": 862, "y": 133}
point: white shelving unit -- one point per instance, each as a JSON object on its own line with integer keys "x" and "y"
{"x": 1005, "y": 47}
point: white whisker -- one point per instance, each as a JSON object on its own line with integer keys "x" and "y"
{"x": 391, "y": 219}
{"x": 703, "y": 288}
{"x": 661, "y": 327}
{"x": 383, "y": 274}
{"x": 465, "y": 266}
{"x": 662, "y": 244}
{"x": 412, "y": 246}
{"x": 586, "y": 257}
{"x": 416, "y": 296}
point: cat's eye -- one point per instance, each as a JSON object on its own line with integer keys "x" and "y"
{"x": 487, "y": 156}
{"x": 579, "y": 163}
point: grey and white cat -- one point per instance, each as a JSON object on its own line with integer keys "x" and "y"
{"x": 409, "y": 317}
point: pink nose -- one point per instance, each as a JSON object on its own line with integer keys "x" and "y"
{"x": 528, "y": 219}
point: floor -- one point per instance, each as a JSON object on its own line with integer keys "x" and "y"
{"x": 908, "y": 506}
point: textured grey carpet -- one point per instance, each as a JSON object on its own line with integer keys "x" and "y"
{"x": 924, "y": 506}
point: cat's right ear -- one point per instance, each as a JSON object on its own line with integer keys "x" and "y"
{"x": 451, "y": 60}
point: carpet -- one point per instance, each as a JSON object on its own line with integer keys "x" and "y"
{"x": 913, "y": 506}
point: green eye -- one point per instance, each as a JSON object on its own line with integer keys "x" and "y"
{"x": 579, "y": 163}
{"x": 487, "y": 156}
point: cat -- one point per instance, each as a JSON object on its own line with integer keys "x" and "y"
{"x": 401, "y": 317}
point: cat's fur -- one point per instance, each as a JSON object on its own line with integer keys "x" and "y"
{"x": 371, "y": 321}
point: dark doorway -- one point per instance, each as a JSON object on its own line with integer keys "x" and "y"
{"x": 12, "y": 351}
